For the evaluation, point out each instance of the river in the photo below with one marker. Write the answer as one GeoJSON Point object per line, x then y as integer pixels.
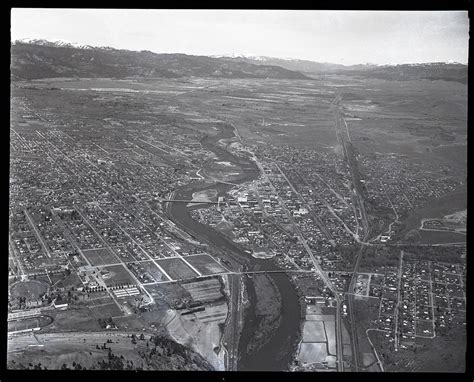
{"type": "Point", "coordinates": [277, 351]}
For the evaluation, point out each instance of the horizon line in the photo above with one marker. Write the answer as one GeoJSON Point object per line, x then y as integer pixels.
{"type": "Point", "coordinates": [236, 55]}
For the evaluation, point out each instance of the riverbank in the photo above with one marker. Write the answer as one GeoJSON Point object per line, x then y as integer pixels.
{"type": "Point", "coordinates": [275, 350]}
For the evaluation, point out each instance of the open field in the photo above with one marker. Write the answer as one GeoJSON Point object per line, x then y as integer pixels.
{"type": "Point", "coordinates": [72, 319]}
{"type": "Point", "coordinates": [413, 120]}
{"type": "Point", "coordinates": [203, 196]}
{"type": "Point", "coordinates": [318, 342]}
{"type": "Point", "coordinates": [437, 237]}
{"type": "Point", "coordinates": [407, 117]}
{"type": "Point", "coordinates": [201, 331]}
{"type": "Point", "coordinates": [100, 256]}
{"type": "Point", "coordinates": [30, 289]}
{"type": "Point", "coordinates": [117, 275]}
{"type": "Point", "coordinates": [204, 290]}
{"type": "Point", "coordinates": [56, 349]}
{"type": "Point", "coordinates": [153, 270]}
{"type": "Point", "coordinates": [437, 208]}
{"type": "Point", "coordinates": [29, 323]}
{"type": "Point", "coordinates": [444, 354]}
{"type": "Point", "coordinates": [213, 313]}
{"type": "Point", "coordinates": [330, 328]}
{"type": "Point", "coordinates": [67, 281]}
{"type": "Point", "coordinates": [452, 154]}
{"type": "Point", "coordinates": [368, 359]}
{"type": "Point", "coordinates": [171, 293]}
{"type": "Point", "coordinates": [313, 352]}
{"type": "Point", "coordinates": [106, 310]}
{"type": "Point", "coordinates": [100, 300]}
{"type": "Point", "coordinates": [313, 331]}
{"type": "Point", "coordinates": [176, 268]}
{"type": "Point", "coordinates": [205, 264]}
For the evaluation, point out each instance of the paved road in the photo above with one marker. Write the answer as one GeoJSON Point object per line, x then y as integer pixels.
{"type": "Point", "coordinates": [38, 235]}
{"type": "Point", "coordinates": [319, 272]}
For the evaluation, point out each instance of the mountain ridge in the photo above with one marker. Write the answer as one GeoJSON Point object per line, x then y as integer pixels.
{"type": "Point", "coordinates": [40, 58]}
{"type": "Point", "coordinates": [448, 71]}
{"type": "Point", "coordinates": [36, 59]}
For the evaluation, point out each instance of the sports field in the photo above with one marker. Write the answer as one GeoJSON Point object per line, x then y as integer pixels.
{"type": "Point", "coordinates": [30, 289]}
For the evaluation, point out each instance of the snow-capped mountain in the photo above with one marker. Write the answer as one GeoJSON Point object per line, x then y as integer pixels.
{"type": "Point", "coordinates": [449, 71]}
{"type": "Point", "coordinates": [38, 58]}
{"type": "Point", "coordinates": [245, 56]}
{"type": "Point", "coordinates": [59, 43]}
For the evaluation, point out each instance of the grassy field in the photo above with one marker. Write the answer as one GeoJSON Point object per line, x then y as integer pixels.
{"type": "Point", "coordinates": [170, 293]}
{"type": "Point", "coordinates": [411, 117]}
{"type": "Point", "coordinates": [71, 320]}
{"type": "Point", "coordinates": [313, 331]}
{"type": "Point", "coordinates": [60, 348]}
{"type": "Point", "coordinates": [437, 237]}
{"type": "Point", "coordinates": [313, 352]}
{"type": "Point", "coordinates": [117, 275]}
{"type": "Point", "coordinates": [106, 310]}
{"type": "Point", "coordinates": [176, 268]}
{"type": "Point", "coordinates": [30, 289]}
{"type": "Point", "coordinates": [205, 264]}
{"type": "Point", "coordinates": [201, 331]}
{"type": "Point", "coordinates": [71, 280]}
{"type": "Point", "coordinates": [436, 208]}
{"type": "Point", "coordinates": [29, 323]}
{"type": "Point", "coordinates": [330, 328]}
{"type": "Point", "coordinates": [445, 353]}
{"type": "Point", "coordinates": [100, 256]}
{"type": "Point", "coordinates": [153, 270]}
{"type": "Point", "coordinates": [204, 290]}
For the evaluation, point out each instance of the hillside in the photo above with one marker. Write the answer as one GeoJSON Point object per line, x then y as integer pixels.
{"type": "Point", "coordinates": [406, 72]}
{"type": "Point", "coordinates": [42, 59]}
{"type": "Point", "coordinates": [306, 66]}
{"type": "Point", "coordinates": [102, 351]}
{"type": "Point", "coordinates": [403, 72]}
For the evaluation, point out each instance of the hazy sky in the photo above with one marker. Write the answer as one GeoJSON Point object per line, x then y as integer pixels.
{"type": "Point", "coordinates": [346, 37]}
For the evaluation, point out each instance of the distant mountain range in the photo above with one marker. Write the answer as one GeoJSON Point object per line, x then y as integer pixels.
{"type": "Point", "coordinates": [33, 59]}
{"type": "Point", "coordinates": [36, 58]}
{"type": "Point", "coordinates": [448, 71]}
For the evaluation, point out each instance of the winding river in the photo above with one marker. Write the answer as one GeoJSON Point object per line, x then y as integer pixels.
{"type": "Point", "coordinates": [279, 346]}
